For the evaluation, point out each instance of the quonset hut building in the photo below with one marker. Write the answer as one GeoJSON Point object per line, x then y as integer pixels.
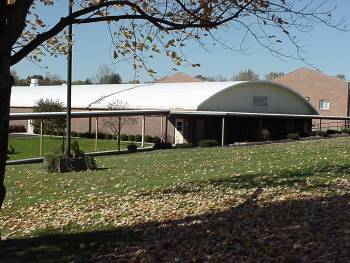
{"type": "Point", "coordinates": [225, 111]}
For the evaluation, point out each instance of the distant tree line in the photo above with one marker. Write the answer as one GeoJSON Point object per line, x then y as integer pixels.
{"type": "Point", "coordinates": [104, 75]}
{"type": "Point", "coordinates": [249, 74]}
{"type": "Point", "coordinates": [243, 75]}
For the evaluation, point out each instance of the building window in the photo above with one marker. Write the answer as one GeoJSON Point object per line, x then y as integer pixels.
{"type": "Point", "coordinates": [179, 125]}
{"type": "Point", "coordinates": [324, 104]}
{"type": "Point", "coordinates": [307, 98]}
{"type": "Point", "coordinates": [260, 101]}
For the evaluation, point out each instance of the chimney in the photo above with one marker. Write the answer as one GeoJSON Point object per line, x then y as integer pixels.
{"type": "Point", "coordinates": [34, 82]}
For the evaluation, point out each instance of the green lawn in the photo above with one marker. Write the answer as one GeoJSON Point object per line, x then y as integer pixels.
{"type": "Point", "coordinates": [27, 147]}
{"type": "Point", "coordinates": [270, 199]}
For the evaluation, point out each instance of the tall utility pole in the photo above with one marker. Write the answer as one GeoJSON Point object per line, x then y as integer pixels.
{"type": "Point", "coordinates": [69, 81]}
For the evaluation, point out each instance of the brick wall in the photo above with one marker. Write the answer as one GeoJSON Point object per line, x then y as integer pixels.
{"type": "Point", "coordinates": [133, 126]}
{"type": "Point", "coordinates": [318, 86]}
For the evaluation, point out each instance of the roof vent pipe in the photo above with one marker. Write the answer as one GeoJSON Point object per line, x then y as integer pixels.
{"type": "Point", "coordinates": [34, 82]}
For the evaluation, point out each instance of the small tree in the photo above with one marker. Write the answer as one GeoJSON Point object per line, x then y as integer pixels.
{"type": "Point", "coordinates": [115, 124]}
{"type": "Point", "coordinates": [52, 126]}
{"type": "Point", "coordinates": [340, 76]}
{"type": "Point", "coordinates": [247, 74]}
{"type": "Point", "coordinates": [105, 75]}
{"type": "Point", "coordinates": [205, 78]}
{"type": "Point", "coordinates": [274, 75]}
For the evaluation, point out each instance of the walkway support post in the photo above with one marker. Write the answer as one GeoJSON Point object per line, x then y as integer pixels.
{"type": "Point", "coordinates": [119, 131]}
{"type": "Point", "coordinates": [96, 133]}
{"type": "Point", "coordinates": [41, 139]}
{"type": "Point", "coordinates": [143, 131]}
{"type": "Point", "coordinates": [161, 128]}
{"type": "Point", "coordinates": [223, 131]}
{"type": "Point", "coordinates": [166, 130]}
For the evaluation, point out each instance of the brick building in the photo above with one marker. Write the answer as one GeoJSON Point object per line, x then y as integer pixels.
{"type": "Point", "coordinates": [224, 111]}
{"type": "Point", "coordinates": [329, 95]}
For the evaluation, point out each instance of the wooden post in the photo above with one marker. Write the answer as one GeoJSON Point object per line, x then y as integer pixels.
{"type": "Point", "coordinates": [96, 133]}
{"type": "Point", "coordinates": [41, 139]}
{"type": "Point", "coordinates": [143, 131]}
{"type": "Point", "coordinates": [223, 131]}
{"type": "Point", "coordinates": [320, 124]}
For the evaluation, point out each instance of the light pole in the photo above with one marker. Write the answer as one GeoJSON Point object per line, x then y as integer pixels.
{"type": "Point", "coordinates": [69, 82]}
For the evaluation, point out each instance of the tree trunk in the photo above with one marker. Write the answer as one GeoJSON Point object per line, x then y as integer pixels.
{"type": "Point", "coordinates": [6, 82]}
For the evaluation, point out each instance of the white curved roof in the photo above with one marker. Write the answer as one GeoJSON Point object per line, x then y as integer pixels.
{"type": "Point", "coordinates": [140, 96]}
{"type": "Point", "coordinates": [220, 96]}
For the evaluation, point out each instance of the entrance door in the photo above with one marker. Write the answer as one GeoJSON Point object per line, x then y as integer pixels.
{"type": "Point", "coordinates": [179, 131]}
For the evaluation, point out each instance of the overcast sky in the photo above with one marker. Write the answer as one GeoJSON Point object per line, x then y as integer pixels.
{"type": "Point", "coordinates": [327, 50]}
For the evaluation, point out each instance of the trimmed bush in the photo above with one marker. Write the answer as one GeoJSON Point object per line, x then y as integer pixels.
{"type": "Point", "coordinates": [293, 136]}
{"type": "Point", "coordinates": [90, 135]}
{"type": "Point", "coordinates": [162, 145]}
{"type": "Point", "coordinates": [81, 134]}
{"type": "Point", "coordinates": [156, 139]}
{"type": "Point", "coordinates": [101, 135]}
{"type": "Point", "coordinates": [58, 163]}
{"type": "Point", "coordinates": [132, 148]}
{"type": "Point", "coordinates": [208, 143]}
{"type": "Point", "coordinates": [138, 137]}
{"type": "Point", "coordinates": [59, 150]}
{"type": "Point", "coordinates": [307, 134]}
{"type": "Point", "coordinates": [51, 163]}
{"type": "Point", "coordinates": [123, 137]}
{"type": "Point", "coordinates": [77, 153]}
{"type": "Point", "coordinates": [108, 136]}
{"type": "Point", "coordinates": [263, 135]}
{"type": "Point", "coordinates": [148, 138]}
{"type": "Point", "coordinates": [345, 131]}
{"type": "Point", "coordinates": [60, 133]}
{"type": "Point", "coordinates": [17, 128]}
{"type": "Point", "coordinates": [183, 145]}
{"type": "Point", "coordinates": [75, 146]}
{"type": "Point", "coordinates": [330, 131]}
{"type": "Point", "coordinates": [131, 137]}
{"type": "Point", "coordinates": [321, 133]}
{"type": "Point", "coordinates": [11, 149]}
{"type": "Point", "coordinates": [90, 163]}
{"type": "Point", "coordinates": [74, 134]}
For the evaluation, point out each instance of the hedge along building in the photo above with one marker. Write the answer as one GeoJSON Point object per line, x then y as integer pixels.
{"type": "Point", "coordinates": [224, 111]}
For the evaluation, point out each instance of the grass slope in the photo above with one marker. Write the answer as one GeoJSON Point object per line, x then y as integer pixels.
{"type": "Point", "coordinates": [272, 200]}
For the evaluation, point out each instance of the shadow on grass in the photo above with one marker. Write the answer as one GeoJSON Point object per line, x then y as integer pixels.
{"type": "Point", "coordinates": [284, 178]}
{"type": "Point", "coordinates": [311, 230]}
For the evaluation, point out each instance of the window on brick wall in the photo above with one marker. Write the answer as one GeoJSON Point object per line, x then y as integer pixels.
{"type": "Point", "coordinates": [324, 104]}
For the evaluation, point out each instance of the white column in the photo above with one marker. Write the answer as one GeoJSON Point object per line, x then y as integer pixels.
{"type": "Point", "coordinates": [223, 131]}
{"type": "Point", "coordinates": [161, 128]}
{"type": "Point", "coordinates": [119, 130]}
{"type": "Point", "coordinates": [96, 133]}
{"type": "Point", "coordinates": [41, 139]}
{"type": "Point", "coordinates": [166, 129]}
{"type": "Point", "coordinates": [143, 131]}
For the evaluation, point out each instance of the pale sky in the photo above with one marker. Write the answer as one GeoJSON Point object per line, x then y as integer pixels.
{"type": "Point", "coordinates": [326, 48]}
